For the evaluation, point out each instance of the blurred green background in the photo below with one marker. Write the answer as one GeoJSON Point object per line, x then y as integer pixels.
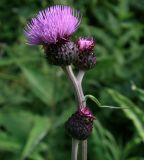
{"type": "Point", "coordinates": [36, 99]}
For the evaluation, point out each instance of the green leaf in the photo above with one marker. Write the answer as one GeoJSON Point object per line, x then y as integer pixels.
{"type": "Point", "coordinates": [133, 112]}
{"type": "Point", "coordinates": [104, 142]}
{"type": "Point", "coordinates": [42, 86]}
{"type": "Point", "coordinates": [94, 99]}
{"type": "Point", "coordinates": [39, 130]}
{"type": "Point", "coordinates": [136, 158]}
{"type": "Point", "coordinates": [9, 143]}
{"type": "Point", "coordinates": [7, 61]}
{"type": "Point", "coordinates": [18, 123]}
{"type": "Point", "coordinates": [139, 92]}
{"type": "Point", "coordinates": [37, 157]}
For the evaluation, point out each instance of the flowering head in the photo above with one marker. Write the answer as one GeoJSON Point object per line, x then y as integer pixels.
{"type": "Point", "coordinates": [86, 44]}
{"type": "Point", "coordinates": [52, 25]}
{"type": "Point", "coordinates": [53, 28]}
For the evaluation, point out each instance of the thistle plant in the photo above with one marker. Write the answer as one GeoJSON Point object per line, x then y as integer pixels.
{"type": "Point", "coordinates": [53, 29]}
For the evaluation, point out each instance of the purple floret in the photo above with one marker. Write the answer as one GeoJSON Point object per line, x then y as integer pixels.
{"type": "Point", "coordinates": [52, 25]}
{"type": "Point", "coordinates": [86, 44]}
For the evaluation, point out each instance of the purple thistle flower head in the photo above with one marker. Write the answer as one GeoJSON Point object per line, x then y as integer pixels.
{"type": "Point", "coordinates": [52, 25]}
{"type": "Point", "coordinates": [86, 44]}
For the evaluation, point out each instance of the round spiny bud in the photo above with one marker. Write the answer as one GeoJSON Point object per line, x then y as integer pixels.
{"type": "Point", "coordinates": [80, 124]}
{"type": "Point", "coordinates": [61, 54]}
{"type": "Point", "coordinates": [86, 59]}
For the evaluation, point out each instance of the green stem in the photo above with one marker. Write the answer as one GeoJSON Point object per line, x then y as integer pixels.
{"type": "Point", "coordinates": [69, 72]}
{"type": "Point", "coordinates": [84, 150]}
{"type": "Point", "coordinates": [77, 86]}
{"type": "Point", "coordinates": [79, 82]}
{"type": "Point", "coordinates": [83, 144]}
{"type": "Point", "coordinates": [75, 144]}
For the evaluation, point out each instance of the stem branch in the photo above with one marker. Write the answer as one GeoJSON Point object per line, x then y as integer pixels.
{"type": "Point", "coordinates": [77, 86]}
{"type": "Point", "coordinates": [75, 144]}
{"type": "Point", "coordinates": [84, 150]}
{"type": "Point", "coordinates": [69, 72]}
{"type": "Point", "coordinates": [80, 76]}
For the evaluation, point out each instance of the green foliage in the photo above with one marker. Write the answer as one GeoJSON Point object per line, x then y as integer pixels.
{"type": "Point", "coordinates": [131, 110]}
{"type": "Point", "coordinates": [105, 144]}
{"type": "Point", "coordinates": [139, 92]}
{"type": "Point", "coordinates": [36, 98]}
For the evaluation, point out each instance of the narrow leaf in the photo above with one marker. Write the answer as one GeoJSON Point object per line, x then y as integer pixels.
{"type": "Point", "coordinates": [94, 99]}
{"type": "Point", "coordinates": [37, 133]}
{"type": "Point", "coordinates": [139, 92]}
{"type": "Point", "coordinates": [134, 113]}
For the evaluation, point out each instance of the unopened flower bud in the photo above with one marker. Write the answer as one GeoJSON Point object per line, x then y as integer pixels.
{"type": "Point", "coordinates": [80, 124]}
{"type": "Point", "coordinates": [86, 59]}
{"type": "Point", "coordinates": [61, 54]}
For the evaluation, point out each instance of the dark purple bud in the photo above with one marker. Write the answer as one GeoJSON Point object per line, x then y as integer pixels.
{"type": "Point", "coordinates": [86, 59]}
{"type": "Point", "coordinates": [61, 54]}
{"type": "Point", "coordinates": [80, 124]}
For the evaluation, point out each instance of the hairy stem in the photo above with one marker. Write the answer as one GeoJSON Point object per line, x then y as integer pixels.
{"type": "Point", "coordinates": [83, 144]}
{"type": "Point", "coordinates": [80, 76]}
{"type": "Point", "coordinates": [74, 153]}
{"type": "Point", "coordinates": [79, 82]}
{"type": "Point", "coordinates": [77, 86]}
{"type": "Point", "coordinates": [84, 150]}
{"type": "Point", "coordinates": [69, 72]}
